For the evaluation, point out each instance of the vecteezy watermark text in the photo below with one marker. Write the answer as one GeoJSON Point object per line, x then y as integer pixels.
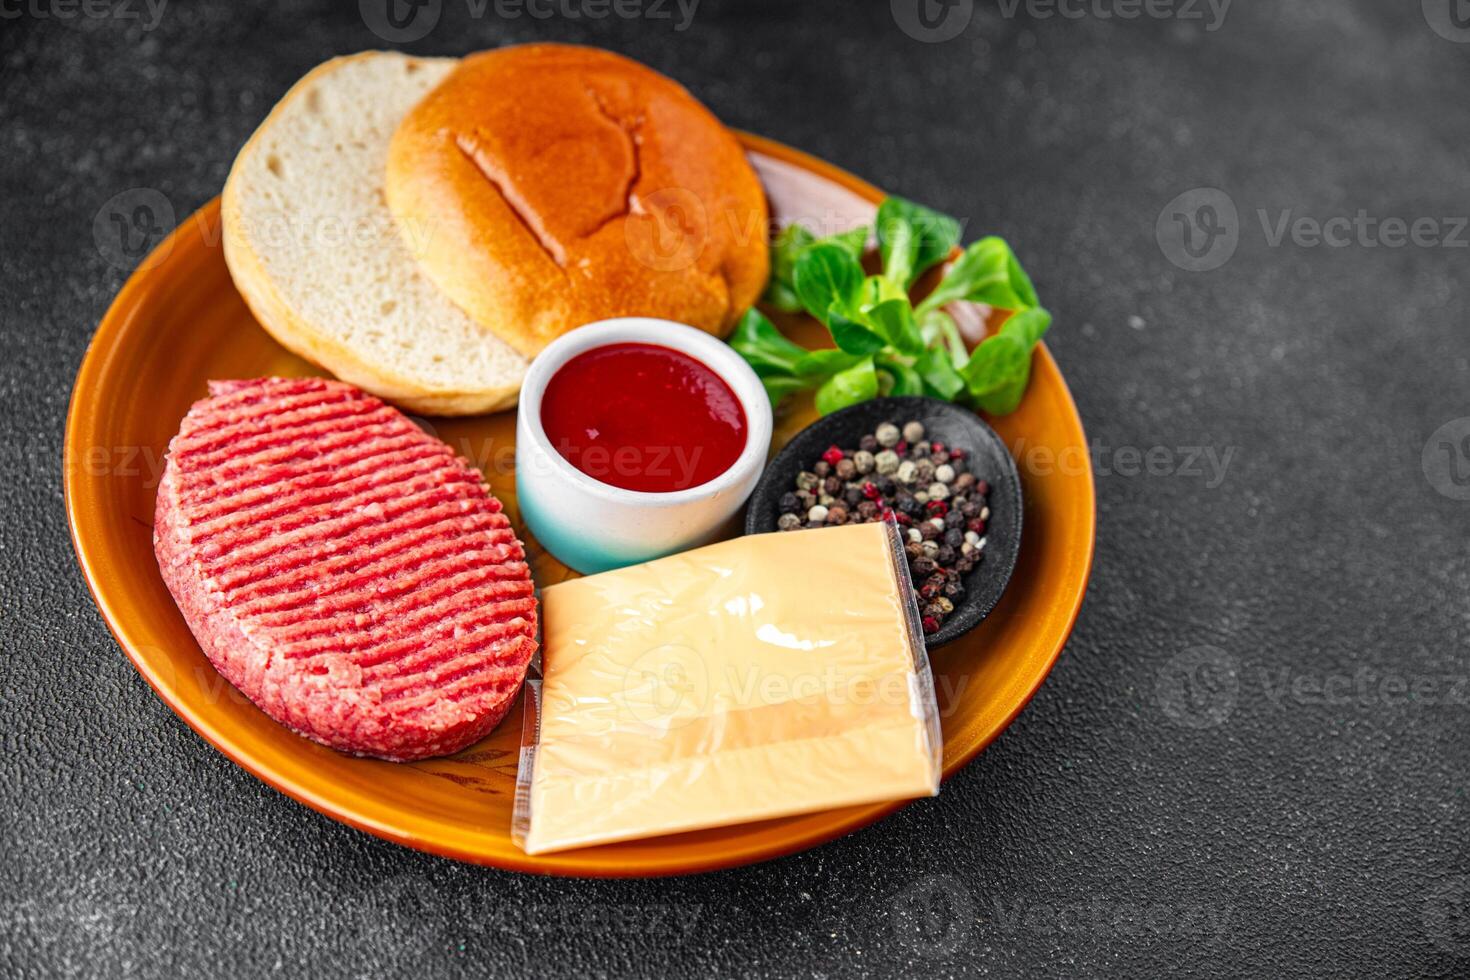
{"type": "Point", "coordinates": [414, 897]}
{"type": "Point", "coordinates": [933, 21]}
{"type": "Point", "coordinates": [1107, 916]}
{"type": "Point", "coordinates": [670, 686]}
{"type": "Point", "coordinates": [1206, 463]}
{"type": "Point", "coordinates": [1200, 229]}
{"type": "Point", "coordinates": [402, 21]}
{"type": "Point", "coordinates": [1212, 12]}
{"type": "Point", "coordinates": [1201, 687]}
{"type": "Point", "coordinates": [146, 13]}
{"type": "Point", "coordinates": [935, 916]}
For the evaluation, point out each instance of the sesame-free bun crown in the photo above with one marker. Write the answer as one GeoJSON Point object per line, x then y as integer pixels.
{"type": "Point", "coordinates": [555, 185]}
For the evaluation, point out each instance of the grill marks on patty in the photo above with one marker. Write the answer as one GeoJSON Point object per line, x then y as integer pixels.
{"type": "Point", "coordinates": [367, 566]}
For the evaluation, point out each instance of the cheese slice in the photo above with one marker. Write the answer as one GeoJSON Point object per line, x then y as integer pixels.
{"type": "Point", "coordinates": [761, 677]}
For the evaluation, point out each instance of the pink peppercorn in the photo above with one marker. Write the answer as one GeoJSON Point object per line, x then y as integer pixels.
{"type": "Point", "coordinates": [833, 456]}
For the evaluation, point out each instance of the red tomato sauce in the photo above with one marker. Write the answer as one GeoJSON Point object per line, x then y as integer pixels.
{"type": "Point", "coordinates": [643, 417]}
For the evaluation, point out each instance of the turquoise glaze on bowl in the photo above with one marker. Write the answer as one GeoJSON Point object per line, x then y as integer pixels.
{"type": "Point", "coordinates": [593, 526]}
{"type": "Point", "coordinates": [573, 550]}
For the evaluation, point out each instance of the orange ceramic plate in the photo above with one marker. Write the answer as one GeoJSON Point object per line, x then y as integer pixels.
{"type": "Point", "coordinates": [179, 322]}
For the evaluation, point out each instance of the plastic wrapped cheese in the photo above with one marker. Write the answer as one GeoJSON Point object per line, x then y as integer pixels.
{"type": "Point", "coordinates": [761, 677]}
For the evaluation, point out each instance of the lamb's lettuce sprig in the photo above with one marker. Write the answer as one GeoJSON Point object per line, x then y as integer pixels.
{"type": "Point", "coordinates": [884, 343]}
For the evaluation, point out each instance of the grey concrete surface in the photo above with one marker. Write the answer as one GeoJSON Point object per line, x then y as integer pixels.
{"type": "Point", "coordinates": [1251, 760]}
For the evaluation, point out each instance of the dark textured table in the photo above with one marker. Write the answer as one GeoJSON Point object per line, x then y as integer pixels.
{"type": "Point", "coordinates": [1251, 759]}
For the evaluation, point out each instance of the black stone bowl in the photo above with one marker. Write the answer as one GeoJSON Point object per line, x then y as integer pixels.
{"type": "Point", "coordinates": [950, 424]}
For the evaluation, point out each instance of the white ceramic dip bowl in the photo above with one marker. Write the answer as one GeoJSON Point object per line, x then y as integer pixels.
{"type": "Point", "coordinates": [592, 526]}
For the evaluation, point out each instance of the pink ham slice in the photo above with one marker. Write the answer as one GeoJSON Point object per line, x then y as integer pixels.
{"type": "Point", "coordinates": [347, 572]}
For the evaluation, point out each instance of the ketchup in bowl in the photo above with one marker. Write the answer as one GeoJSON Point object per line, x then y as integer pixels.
{"type": "Point", "coordinates": [643, 417]}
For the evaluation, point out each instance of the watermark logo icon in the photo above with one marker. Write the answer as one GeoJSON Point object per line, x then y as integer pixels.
{"type": "Point", "coordinates": [1199, 687]}
{"type": "Point", "coordinates": [932, 21]}
{"type": "Point", "coordinates": [1198, 230]}
{"type": "Point", "coordinates": [1446, 459]}
{"type": "Point", "coordinates": [1450, 19]}
{"type": "Point", "coordinates": [932, 916]}
{"type": "Point", "coordinates": [129, 227]}
{"type": "Point", "coordinates": [400, 21]}
{"type": "Point", "coordinates": [407, 895]}
{"type": "Point", "coordinates": [667, 230]}
{"type": "Point", "coordinates": [1447, 915]}
{"type": "Point", "coordinates": [667, 686]}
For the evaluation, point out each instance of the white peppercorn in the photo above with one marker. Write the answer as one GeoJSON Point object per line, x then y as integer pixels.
{"type": "Point", "coordinates": [886, 461]}
{"type": "Point", "coordinates": [887, 435]}
{"type": "Point", "coordinates": [914, 431]}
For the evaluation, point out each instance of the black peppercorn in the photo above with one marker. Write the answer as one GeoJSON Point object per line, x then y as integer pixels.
{"type": "Point", "coordinates": [937, 502]}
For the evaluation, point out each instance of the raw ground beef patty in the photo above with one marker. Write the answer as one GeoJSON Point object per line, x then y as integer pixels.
{"type": "Point", "coordinates": [346, 571]}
